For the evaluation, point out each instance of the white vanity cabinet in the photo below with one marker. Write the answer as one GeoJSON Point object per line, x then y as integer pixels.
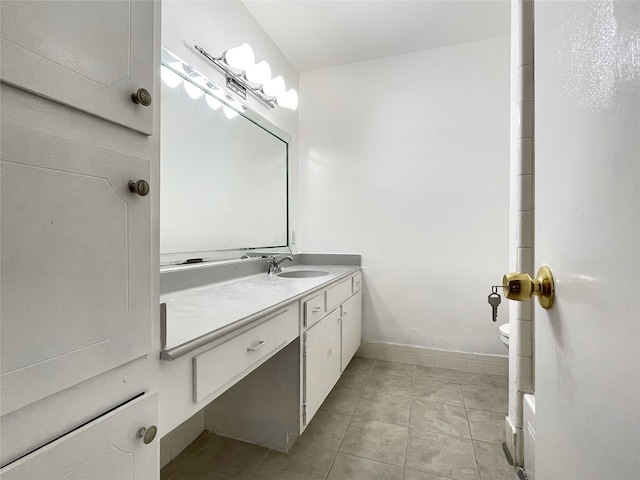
{"type": "Point", "coordinates": [77, 256]}
{"type": "Point", "coordinates": [329, 343]}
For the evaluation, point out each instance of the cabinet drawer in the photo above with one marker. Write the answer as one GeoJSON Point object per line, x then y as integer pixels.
{"type": "Point", "coordinates": [219, 368]}
{"type": "Point", "coordinates": [356, 284]}
{"type": "Point", "coordinates": [338, 294]}
{"type": "Point", "coordinates": [314, 310]}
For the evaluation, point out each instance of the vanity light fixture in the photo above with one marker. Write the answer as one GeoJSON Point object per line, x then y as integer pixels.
{"type": "Point", "coordinates": [174, 71]}
{"type": "Point", "coordinates": [245, 76]}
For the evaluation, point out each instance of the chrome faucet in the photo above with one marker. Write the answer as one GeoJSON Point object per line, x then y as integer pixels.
{"type": "Point", "coordinates": [274, 264]}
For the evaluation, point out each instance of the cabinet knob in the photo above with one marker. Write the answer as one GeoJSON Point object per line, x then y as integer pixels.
{"type": "Point", "coordinates": [141, 187]}
{"type": "Point", "coordinates": [141, 97]}
{"type": "Point", "coordinates": [147, 434]}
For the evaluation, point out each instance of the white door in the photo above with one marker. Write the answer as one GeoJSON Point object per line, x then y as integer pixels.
{"type": "Point", "coordinates": [90, 55]}
{"type": "Point", "coordinates": [587, 93]}
{"type": "Point", "coordinates": [75, 264]}
{"type": "Point", "coordinates": [108, 448]}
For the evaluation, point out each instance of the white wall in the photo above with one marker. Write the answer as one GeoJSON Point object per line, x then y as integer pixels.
{"type": "Point", "coordinates": [217, 27]}
{"type": "Point", "coordinates": [405, 159]}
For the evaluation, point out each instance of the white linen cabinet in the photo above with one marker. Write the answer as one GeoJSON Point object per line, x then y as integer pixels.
{"type": "Point", "coordinates": [78, 157]}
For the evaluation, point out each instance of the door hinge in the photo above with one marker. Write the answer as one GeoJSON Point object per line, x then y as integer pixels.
{"type": "Point", "coordinates": [304, 349]}
{"type": "Point", "coordinates": [304, 413]}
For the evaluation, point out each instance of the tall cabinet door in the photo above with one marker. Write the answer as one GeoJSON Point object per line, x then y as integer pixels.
{"type": "Point", "coordinates": [75, 264]}
{"type": "Point", "coordinates": [351, 327]}
{"type": "Point", "coordinates": [89, 55]}
{"type": "Point", "coordinates": [322, 368]}
{"type": "Point", "coordinates": [106, 449]}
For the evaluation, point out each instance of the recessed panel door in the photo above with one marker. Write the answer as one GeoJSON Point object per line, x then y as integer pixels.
{"type": "Point", "coordinates": [75, 264]}
{"type": "Point", "coordinates": [108, 448]}
{"type": "Point", "coordinates": [90, 55]}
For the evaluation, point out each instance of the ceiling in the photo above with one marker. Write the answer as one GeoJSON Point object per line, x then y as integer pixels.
{"type": "Point", "coordinates": [327, 33]}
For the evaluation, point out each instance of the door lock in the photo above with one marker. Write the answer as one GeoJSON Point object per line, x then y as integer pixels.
{"type": "Point", "coordinates": [521, 287]}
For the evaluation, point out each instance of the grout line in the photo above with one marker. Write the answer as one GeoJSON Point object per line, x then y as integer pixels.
{"type": "Point", "coordinates": [259, 463]}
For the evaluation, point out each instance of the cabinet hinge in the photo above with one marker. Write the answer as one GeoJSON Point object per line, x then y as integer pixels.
{"type": "Point", "coordinates": [304, 349]}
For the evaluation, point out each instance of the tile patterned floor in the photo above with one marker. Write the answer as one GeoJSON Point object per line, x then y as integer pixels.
{"type": "Point", "coordinates": [382, 421]}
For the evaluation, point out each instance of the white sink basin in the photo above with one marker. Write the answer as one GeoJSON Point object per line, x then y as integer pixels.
{"type": "Point", "coordinates": [303, 274]}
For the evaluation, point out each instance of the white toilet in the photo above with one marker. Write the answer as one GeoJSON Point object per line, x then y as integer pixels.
{"type": "Point", "coordinates": [504, 334]}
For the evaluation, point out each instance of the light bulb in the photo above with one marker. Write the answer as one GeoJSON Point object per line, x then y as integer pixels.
{"type": "Point", "coordinates": [274, 87]}
{"type": "Point", "coordinates": [230, 113]}
{"type": "Point", "coordinates": [212, 102]}
{"type": "Point", "coordinates": [241, 57]}
{"type": "Point", "coordinates": [170, 78]}
{"type": "Point", "coordinates": [179, 66]}
{"type": "Point", "coordinates": [193, 91]}
{"type": "Point", "coordinates": [259, 73]}
{"type": "Point", "coordinates": [288, 99]}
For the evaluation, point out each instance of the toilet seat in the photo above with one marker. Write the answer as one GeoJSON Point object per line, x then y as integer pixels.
{"type": "Point", "coordinates": [504, 333]}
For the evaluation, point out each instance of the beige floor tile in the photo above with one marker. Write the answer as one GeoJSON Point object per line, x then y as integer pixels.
{"type": "Point", "coordinates": [325, 431]}
{"type": "Point", "coordinates": [387, 383]}
{"type": "Point", "coordinates": [492, 462]}
{"type": "Point", "coordinates": [442, 455]}
{"type": "Point", "coordinates": [169, 470]}
{"type": "Point", "coordinates": [486, 397]}
{"type": "Point", "coordinates": [384, 408]}
{"type": "Point", "coordinates": [442, 392]}
{"type": "Point", "coordinates": [404, 369]}
{"type": "Point", "coordinates": [486, 426]}
{"type": "Point", "coordinates": [360, 365]}
{"type": "Point", "coordinates": [299, 463]}
{"type": "Point", "coordinates": [190, 473]}
{"type": "Point", "coordinates": [342, 400]}
{"type": "Point", "coordinates": [379, 441]}
{"type": "Point", "coordinates": [347, 467]}
{"type": "Point", "coordinates": [228, 457]}
{"type": "Point", "coordinates": [439, 418]}
{"type": "Point", "coordinates": [437, 374]}
{"type": "Point", "coordinates": [482, 379]}
{"type": "Point", "coordinates": [413, 475]}
{"type": "Point", "coordinates": [353, 381]}
{"type": "Point", "coordinates": [187, 455]}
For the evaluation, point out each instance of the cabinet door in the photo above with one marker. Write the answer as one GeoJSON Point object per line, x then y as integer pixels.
{"type": "Point", "coordinates": [75, 264]}
{"type": "Point", "coordinates": [105, 449]}
{"type": "Point", "coordinates": [351, 327]}
{"type": "Point", "coordinates": [322, 361]}
{"type": "Point", "coordinates": [89, 55]}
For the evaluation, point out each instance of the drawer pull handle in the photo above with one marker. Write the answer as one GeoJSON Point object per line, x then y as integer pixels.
{"type": "Point", "coordinates": [345, 314]}
{"type": "Point", "coordinates": [257, 347]}
{"type": "Point", "coordinates": [317, 309]}
{"type": "Point", "coordinates": [358, 282]}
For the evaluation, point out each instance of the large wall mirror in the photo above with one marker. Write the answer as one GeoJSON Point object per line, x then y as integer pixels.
{"type": "Point", "coordinates": [223, 173]}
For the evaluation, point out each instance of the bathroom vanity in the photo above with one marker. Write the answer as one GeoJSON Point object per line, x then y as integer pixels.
{"type": "Point", "coordinates": [261, 352]}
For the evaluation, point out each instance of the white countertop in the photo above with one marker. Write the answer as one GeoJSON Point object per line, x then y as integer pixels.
{"type": "Point", "coordinates": [195, 315]}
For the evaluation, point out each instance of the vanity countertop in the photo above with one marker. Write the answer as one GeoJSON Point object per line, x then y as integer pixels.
{"type": "Point", "coordinates": [196, 316]}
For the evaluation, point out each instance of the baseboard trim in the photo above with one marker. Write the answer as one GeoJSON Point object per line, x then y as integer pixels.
{"type": "Point", "coordinates": [432, 357]}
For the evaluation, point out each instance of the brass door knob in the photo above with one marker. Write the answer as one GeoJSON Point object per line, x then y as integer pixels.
{"type": "Point", "coordinates": [521, 287]}
{"type": "Point", "coordinates": [140, 187]}
{"type": "Point", "coordinates": [141, 97]}
{"type": "Point", "coordinates": [147, 434]}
